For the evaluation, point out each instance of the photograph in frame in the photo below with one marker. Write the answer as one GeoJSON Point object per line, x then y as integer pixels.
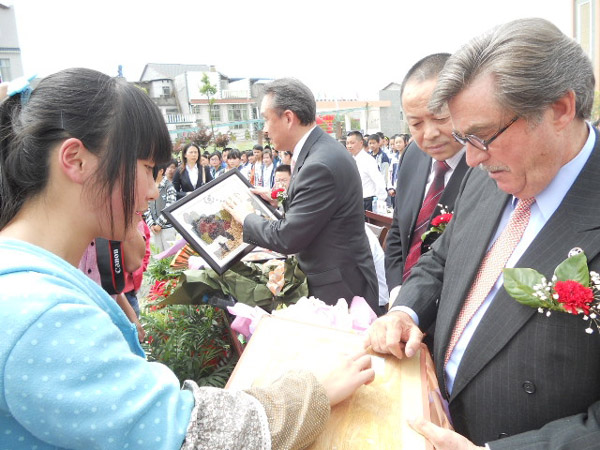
{"type": "Point", "coordinates": [203, 221]}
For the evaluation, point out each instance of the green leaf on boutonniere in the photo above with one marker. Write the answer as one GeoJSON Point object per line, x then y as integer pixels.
{"type": "Point", "coordinates": [574, 268]}
{"type": "Point", "coordinates": [520, 282]}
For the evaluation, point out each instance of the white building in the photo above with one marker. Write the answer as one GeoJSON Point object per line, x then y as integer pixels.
{"type": "Point", "coordinates": [176, 90]}
{"type": "Point", "coordinates": [11, 66]}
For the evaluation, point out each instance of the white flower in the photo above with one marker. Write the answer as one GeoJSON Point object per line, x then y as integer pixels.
{"type": "Point", "coordinates": [589, 330]}
{"type": "Point", "coordinates": [540, 310]}
{"type": "Point", "coordinates": [585, 317]}
{"type": "Point", "coordinates": [554, 278]}
{"type": "Point", "coordinates": [593, 315]}
{"type": "Point", "coordinates": [548, 313]}
{"type": "Point", "coordinates": [555, 296]}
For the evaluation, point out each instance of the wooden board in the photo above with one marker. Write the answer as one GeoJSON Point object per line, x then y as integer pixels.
{"type": "Point", "coordinates": [375, 416]}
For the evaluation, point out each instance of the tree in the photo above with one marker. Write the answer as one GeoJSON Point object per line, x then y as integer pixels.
{"type": "Point", "coordinates": [209, 90]}
{"type": "Point", "coordinates": [221, 140]}
{"type": "Point", "coordinates": [201, 138]}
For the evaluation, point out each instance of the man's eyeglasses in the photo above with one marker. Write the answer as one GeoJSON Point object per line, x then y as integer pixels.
{"type": "Point", "coordinates": [479, 143]}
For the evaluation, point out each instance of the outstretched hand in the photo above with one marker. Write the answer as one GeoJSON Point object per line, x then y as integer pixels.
{"type": "Point", "coordinates": [351, 374]}
{"type": "Point", "coordinates": [394, 333]}
{"type": "Point", "coordinates": [238, 208]}
{"type": "Point", "coordinates": [265, 194]}
{"type": "Point", "coordinates": [440, 438]}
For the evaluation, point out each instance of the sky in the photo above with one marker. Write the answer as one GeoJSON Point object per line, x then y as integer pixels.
{"type": "Point", "coordinates": [340, 49]}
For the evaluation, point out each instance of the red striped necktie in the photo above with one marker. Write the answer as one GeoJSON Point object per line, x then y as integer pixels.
{"type": "Point", "coordinates": [431, 200]}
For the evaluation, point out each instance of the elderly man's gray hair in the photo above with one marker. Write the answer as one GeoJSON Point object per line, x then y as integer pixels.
{"type": "Point", "coordinates": [533, 64]}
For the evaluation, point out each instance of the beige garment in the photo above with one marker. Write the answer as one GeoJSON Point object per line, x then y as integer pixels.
{"type": "Point", "coordinates": [289, 414]}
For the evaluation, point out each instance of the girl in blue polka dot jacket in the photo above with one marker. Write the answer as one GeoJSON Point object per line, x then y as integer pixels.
{"type": "Point", "coordinates": [76, 159]}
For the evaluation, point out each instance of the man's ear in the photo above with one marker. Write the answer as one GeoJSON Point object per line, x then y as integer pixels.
{"type": "Point", "coordinates": [75, 161]}
{"type": "Point", "coordinates": [290, 116]}
{"type": "Point", "coordinates": [563, 110]}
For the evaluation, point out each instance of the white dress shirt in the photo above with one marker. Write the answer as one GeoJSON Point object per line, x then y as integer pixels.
{"type": "Point", "coordinates": [372, 180]}
{"type": "Point", "coordinates": [299, 145]}
{"type": "Point", "coordinates": [192, 173]}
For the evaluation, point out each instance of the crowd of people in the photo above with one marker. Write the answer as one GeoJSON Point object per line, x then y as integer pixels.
{"type": "Point", "coordinates": [84, 156]}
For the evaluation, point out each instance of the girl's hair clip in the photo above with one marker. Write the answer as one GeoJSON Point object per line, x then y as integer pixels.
{"type": "Point", "coordinates": [20, 86]}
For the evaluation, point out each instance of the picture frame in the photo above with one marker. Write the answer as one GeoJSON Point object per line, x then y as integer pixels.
{"type": "Point", "coordinates": [203, 222]}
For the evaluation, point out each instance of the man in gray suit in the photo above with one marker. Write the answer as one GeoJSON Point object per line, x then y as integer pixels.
{"type": "Point", "coordinates": [324, 216]}
{"type": "Point", "coordinates": [433, 141]}
{"type": "Point", "coordinates": [511, 373]}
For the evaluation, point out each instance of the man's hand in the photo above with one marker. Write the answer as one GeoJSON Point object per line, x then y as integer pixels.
{"type": "Point", "coordinates": [265, 194]}
{"type": "Point", "coordinates": [440, 438]}
{"type": "Point", "coordinates": [239, 209]}
{"type": "Point", "coordinates": [394, 333]}
{"type": "Point", "coordinates": [351, 374]}
{"type": "Point", "coordinates": [156, 228]}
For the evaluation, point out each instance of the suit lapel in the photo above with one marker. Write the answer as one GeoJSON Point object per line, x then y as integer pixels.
{"type": "Point", "coordinates": [453, 186]}
{"type": "Point", "coordinates": [414, 190]}
{"type": "Point", "coordinates": [314, 135]}
{"type": "Point", "coordinates": [478, 231]}
{"type": "Point", "coordinates": [576, 223]}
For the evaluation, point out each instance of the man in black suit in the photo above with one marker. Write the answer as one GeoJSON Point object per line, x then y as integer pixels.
{"type": "Point", "coordinates": [506, 370]}
{"type": "Point", "coordinates": [324, 216]}
{"type": "Point", "coordinates": [433, 142]}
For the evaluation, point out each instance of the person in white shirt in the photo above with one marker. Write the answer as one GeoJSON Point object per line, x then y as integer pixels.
{"type": "Point", "coordinates": [373, 184]}
{"type": "Point", "coordinates": [268, 169]}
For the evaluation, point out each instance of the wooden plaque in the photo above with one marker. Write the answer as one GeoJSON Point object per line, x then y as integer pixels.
{"type": "Point", "coordinates": [375, 417]}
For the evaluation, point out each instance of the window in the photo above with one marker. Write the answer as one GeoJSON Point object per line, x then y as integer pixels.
{"type": "Point", "coordinates": [215, 113]}
{"type": "Point", "coordinates": [5, 72]}
{"type": "Point", "coordinates": [238, 113]}
{"type": "Point", "coordinates": [196, 109]}
{"type": "Point", "coordinates": [166, 91]}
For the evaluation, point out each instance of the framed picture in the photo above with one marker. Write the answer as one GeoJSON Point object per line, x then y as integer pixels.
{"type": "Point", "coordinates": [203, 221]}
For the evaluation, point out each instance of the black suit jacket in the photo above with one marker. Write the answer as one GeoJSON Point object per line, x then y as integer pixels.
{"type": "Point", "coordinates": [324, 224]}
{"type": "Point", "coordinates": [413, 172]}
{"type": "Point", "coordinates": [182, 183]}
{"type": "Point", "coordinates": [523, 373]}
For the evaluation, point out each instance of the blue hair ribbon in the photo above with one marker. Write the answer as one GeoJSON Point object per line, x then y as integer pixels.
{"type": "Point", "coordinates": [20, 86]}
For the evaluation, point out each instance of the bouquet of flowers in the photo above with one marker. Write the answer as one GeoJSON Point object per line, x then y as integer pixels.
{"type": "Point", "coordinates": [573, 289]}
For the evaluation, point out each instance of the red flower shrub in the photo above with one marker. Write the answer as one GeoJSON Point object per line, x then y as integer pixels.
{"type": "Point", "coordinates": [574, 296]}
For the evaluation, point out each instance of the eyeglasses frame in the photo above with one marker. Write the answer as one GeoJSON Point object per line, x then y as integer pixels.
{"type": "Point", "coordinates": [479, 143]}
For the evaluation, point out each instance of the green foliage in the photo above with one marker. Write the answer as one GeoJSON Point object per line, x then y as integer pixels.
{"type": "Point", "coordinates": [191, 340]}
{"type": "Point", "coordinates": [574, 268]}
{"type": "Point", "coordinates": [519, 283]}
{"type": "Point", "coordinates": [209, 90]}
{"type": "Point", "coordinates": [160, 269]}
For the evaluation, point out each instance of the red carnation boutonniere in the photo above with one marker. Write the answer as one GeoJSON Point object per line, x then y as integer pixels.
{"type": "Point", "coordinates": [572, 289]}
{"type": "Point", "coordinates": [438, 225]}
{"type": "Point", "coordinates": [279, 194]}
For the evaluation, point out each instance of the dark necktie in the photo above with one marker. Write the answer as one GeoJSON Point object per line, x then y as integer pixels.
{"type": "Point", "coordinates": [431, 200]}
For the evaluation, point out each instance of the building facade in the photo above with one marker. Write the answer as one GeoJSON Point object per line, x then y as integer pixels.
{"type": "Point", "coordinates": [176, 89]}
{"type": "Point", "coordinates": [11, 66]}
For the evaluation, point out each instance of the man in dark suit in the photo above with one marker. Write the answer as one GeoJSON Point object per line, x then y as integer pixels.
{"type": "Point", "coordinates": [324, 217]}
{"type": "Point", "coordinates": [506, 370]}
{"type": "Point", "coordinates": [433, 142]}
